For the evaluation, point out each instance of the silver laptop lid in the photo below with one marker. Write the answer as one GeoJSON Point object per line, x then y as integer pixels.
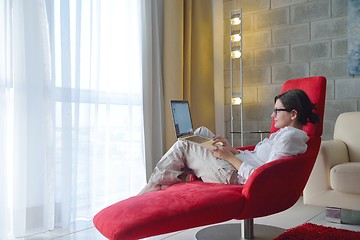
{"type": "Point", "coordinates": [182, 117]}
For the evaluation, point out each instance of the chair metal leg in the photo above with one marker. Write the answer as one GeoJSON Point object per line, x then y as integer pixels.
{"type": "Point", "coordinates": [245, 230]}
{"type": "Point", "coordinates": [248, 229]}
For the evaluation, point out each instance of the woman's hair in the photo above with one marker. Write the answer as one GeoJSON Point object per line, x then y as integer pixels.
{"type": "Point", "coordinates": [297, 99]}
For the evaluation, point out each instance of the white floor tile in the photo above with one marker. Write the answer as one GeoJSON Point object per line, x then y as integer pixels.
{"type": "Point", "coordinates": [87, 234]}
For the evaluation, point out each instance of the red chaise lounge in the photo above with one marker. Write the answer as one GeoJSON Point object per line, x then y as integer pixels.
{"type": "Point", "coordinates": [272, 188]}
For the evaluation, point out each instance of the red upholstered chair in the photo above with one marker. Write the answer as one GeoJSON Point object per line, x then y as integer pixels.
{"type": "Point", "coordinates": [272, 188]}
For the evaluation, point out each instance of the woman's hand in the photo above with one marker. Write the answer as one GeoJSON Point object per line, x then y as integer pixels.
{"type": "Point", "coordinates": [218, 140]}
{"type": "Point", "coordinates": [225, 154]}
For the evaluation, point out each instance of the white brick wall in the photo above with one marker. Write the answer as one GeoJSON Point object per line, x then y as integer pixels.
{"type": "Point", "coordinates": [285, 39]}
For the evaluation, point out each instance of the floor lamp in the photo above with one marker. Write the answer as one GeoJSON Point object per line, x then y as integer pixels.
{"type": "Point", "coordinates": [236, 81]}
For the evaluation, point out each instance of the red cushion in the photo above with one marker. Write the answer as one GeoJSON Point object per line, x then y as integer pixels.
{"type": "Point", "coordinates": [179, 207]}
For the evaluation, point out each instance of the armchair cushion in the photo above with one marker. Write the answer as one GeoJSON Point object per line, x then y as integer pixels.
{"type": "Point", "coordinates": [335, 152]}
{"type": "Point", "coordinates": [343, 177]}
{"type": "Point", "coordinates": [347, 130]}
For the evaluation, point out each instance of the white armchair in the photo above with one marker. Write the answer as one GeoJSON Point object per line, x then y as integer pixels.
{"type": "Point", "coordinates": [334, 181]}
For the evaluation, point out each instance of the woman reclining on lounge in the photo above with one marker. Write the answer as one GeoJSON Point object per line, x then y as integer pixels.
{"type": "Point", "coordinates": [292, 110]}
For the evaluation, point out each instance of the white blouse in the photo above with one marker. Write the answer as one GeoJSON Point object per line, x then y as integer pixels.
{"type": "Point", "coordinates": [287, 141]}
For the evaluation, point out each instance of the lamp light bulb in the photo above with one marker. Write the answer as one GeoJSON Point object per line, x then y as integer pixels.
{"type": "Point", "coordinates": [236, 101]}
{"type": "Point", "coordinates": [235, 37]}
{"type": "Point", "coordinates": [235, 21]}
{"type": "Point", "coordinates": [235, 54]}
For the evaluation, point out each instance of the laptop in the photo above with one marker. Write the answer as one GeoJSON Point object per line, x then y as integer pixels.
{"type": "Point", "coordinates": [184, 127]}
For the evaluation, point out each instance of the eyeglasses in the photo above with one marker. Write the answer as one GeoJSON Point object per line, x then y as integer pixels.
{"type": "Point", "coordinates": [276, 110]}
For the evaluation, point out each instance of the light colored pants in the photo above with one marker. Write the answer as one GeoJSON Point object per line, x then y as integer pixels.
{"type": "Point", "coordinates": [184, 157]}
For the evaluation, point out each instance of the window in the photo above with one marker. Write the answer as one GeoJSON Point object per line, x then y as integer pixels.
{"type": "Point", "coordinates": [98, 102]}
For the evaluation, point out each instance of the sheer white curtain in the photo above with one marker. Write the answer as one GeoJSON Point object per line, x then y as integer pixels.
{"type": "Point", "coordinates": [152, 42]}
{"type": "Point", "coordinates": [72, 131]}
{"type": "Point", "coordinates": [98, 95]}
{"type": "Point", "coordinates": [25, 81]}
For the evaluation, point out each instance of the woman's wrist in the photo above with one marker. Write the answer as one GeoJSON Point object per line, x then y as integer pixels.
{"type": "Point", "coordinates": [235, 151]}
{"type": "Point", "coordinates": [235, 162]}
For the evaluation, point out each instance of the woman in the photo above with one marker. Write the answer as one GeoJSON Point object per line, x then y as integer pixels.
{"type": "Point", "coordinates": [292, 110]}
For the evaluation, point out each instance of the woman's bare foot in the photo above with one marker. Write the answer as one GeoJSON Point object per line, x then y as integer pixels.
{"type": "Point", "coordinates": [164, 186]}
{"type": "Point", "coordinates": [152, 187]}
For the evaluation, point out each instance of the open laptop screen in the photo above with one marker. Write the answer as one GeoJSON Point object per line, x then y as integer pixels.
{"type": "Point", "coordinates": [182, 118]}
